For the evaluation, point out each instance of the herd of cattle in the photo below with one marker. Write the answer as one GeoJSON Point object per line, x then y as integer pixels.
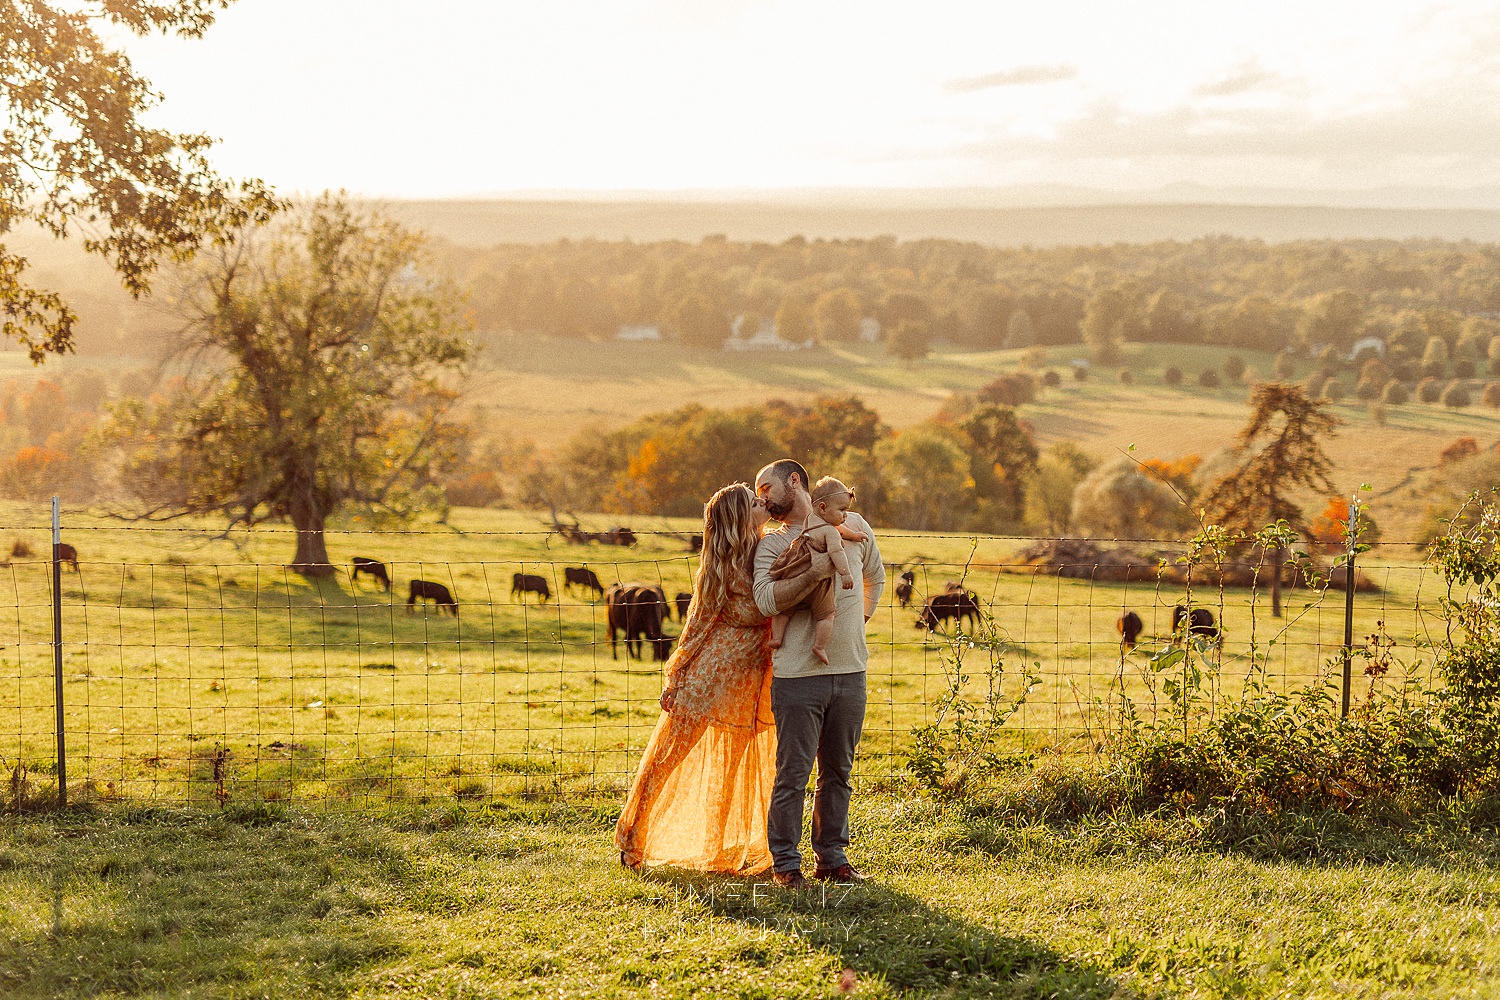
{"type": "Point", "coordinates": [639, 611]}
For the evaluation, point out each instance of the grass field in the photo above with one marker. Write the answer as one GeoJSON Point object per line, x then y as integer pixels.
{"type": "Point", "coordinates": [195, 669]}
{"type": "Point", "coordinates": [523, 900]}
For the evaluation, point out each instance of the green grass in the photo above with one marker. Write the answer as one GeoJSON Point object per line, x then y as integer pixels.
{"type": "Point", "coordinates": [523, 899]}
{"type": "Point", "coordinates": [195, 669]}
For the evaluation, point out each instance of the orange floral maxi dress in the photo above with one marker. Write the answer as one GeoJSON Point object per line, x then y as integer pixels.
{"type": "Point", "coordinates": [700, 797]}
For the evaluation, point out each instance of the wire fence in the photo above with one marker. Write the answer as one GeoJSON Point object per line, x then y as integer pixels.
{"type": "Point", "coordinates": [191, 677]}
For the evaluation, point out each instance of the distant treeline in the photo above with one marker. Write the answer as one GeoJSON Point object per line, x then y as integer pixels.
{"type": "Point", "coordinates": [1234, 292]}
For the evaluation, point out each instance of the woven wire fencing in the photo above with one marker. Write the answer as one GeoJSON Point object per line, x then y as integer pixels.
{"type": "Point", "coordinates": [195, 678]}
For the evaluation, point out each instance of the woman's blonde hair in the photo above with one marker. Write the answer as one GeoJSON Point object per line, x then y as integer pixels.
{"type": "Point", "coordinates": [729, 539]}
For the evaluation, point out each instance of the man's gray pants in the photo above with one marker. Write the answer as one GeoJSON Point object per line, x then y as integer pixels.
{"type": "Point", "coordinates": [818, 719]}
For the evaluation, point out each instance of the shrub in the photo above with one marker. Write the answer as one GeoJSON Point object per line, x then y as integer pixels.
{"type": "Point", "coordinates": [1491, 397]}
{"type": "Point", "coordinates": [1314, 383]}
{"type": "Point", "coordinates": [1395, 394]}
{"type": "Point", "coordinates": [1051, 379]}
{"type": "Point", "coordinates": [1464, 368]}
{"type": "Point", "coordinates": [1429, 390]}
{"type": "Point", "coordinates": [1405, 371]}
{"type": "Point", "coordinates": [1367, 389]}
{"type": "Point", "coordinates": [1234, 367]}
{"type": "Point", "coordinates": [1456, 396]}
{"type": "Point", "coordinates": [1011, 389]}
{"type": "Point", "coordinates": [1284, 366]}
{"type": "Point", "coordinates": [1208, 378]}
{"type": "Point", "coordinates": [1080, 373]}
{"type": "Point", "coordinates": [1333, 390]}
{"type": "Point", "coordinates": [1124, 377]}
{"type": "Point", "coordinates": [1172, 376]}
{"type": "Point", "coordinates": [1461, 450]}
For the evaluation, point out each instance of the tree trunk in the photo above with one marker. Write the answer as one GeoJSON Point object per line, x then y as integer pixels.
{"type": "Point", "coordinates": [308, 517]}
{"type": "Point", "coordinates": [1280, 561]}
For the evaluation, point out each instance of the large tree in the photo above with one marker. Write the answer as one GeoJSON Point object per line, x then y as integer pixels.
{"type": "Point", "coordinates": [1002, 458]}
{"type": "Point", "coordinates": [329, 366]}
{"type": "Point", "coordinates": [75, 157]}
{"type": "Point", "coordinates": [1281, 459]}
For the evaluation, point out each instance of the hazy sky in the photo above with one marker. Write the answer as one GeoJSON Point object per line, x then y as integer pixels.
{"type": "Point", "coordinates": [464, 97]}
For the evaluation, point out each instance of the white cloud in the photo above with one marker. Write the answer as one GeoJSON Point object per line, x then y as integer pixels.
{"type": "Point", "coordinates": [1020, 76]}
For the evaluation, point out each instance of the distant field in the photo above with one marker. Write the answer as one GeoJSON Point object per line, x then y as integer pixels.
{"type": "Point", "coordinates": [488, 222]}
{"type": "Point", "coordinates": [547, 390]}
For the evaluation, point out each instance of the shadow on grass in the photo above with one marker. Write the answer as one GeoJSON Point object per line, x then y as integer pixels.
{"type": "Point", "coordinates": [880, 932]}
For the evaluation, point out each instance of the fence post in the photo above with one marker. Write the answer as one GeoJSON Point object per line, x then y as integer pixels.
{"type": "Point", "coordinates": [57, 658]}
{"type": "Point", "coordinates": [1351, 530]}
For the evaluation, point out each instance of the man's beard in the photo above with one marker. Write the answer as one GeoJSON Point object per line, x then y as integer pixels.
{"type": "Point", "coordinates": [779, 509]}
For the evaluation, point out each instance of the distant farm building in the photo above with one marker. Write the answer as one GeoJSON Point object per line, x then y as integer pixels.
{"type": "Point", "coordinates": [763, 338]}
{"type": "Point", "coordinates": [638, 333]}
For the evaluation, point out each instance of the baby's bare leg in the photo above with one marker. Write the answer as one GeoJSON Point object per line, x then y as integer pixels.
{"type": "Point", "coordinates": [778, 630]}
{"type": "Point", "coordinates": [822, 632]}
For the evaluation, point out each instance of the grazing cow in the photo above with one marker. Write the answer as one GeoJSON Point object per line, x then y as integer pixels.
{"type": "Point", "coordinates": [955, 604]}
{"type": "Point", "coordinates": [426, 590]}
{"type": "Point", "coordinates": [904, 588]}
{"type": "Point", "coordinates": [1129, 625]}
{"type": "Point", "coordinates": [372, 567]}
{"type": "Point", "coordinates": [638, 610]}
{"type": "Point", "coordinates": [1200, 622]}
{"type": "Point", "coordinates": [530, 583]}
{"type": "Point", "coordinates": [67, 554]}
{"type": "Point", "coordinates": [582, 576]}
{"type": "Point", "coordinates": [615, 536]}
{"type": "Point", "coordinates": [683, 601]}
{"type": "Point", "coordinates": [695, 543]}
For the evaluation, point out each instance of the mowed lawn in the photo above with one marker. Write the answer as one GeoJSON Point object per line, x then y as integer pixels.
{"type": "Point", "coordinates": [523, 899]}
{"type": "Point", "coordinates": [199, 670]}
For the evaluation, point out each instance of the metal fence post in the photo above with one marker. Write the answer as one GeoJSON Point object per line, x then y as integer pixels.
{"type": "Point", "coordinates": [57, 658]}
{"type": "Point", "coordinates": [1352, 531]}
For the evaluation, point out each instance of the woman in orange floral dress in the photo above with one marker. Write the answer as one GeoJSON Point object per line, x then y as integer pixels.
{"type": "Point", "coordinates": [700, 797]}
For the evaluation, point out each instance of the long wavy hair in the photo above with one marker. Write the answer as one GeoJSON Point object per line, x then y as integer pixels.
{"type": "Point", "coordinates": [729, 539]}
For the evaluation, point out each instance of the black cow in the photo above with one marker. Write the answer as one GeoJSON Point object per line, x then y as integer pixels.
{"type": "Point", "coordinates": [426, 590]}
{"type": "Point", "coordinates": [582, 576]}
{"type": "Point", "coordinates": [1129, 625]}
{"type": "Point", "coordinates": [638, 610]}
{"type": "Point", "coordinates": [695, 543]}
{"type": "Point", "coordinates": [615, 536]}
{"type": "Point", "coordinates": [904, 588]}
{"type": "Point", "coordinates": [67, 554]}
{"type": "Point", "coordinates": [371, 567]}
{"type": "Point", "coordinates": [683, 601]}
{"type": "Point", "coordinates": [1200, 622]}
{"type": "Point", "coordinates": [955, 604]}
{"type": "Point", "coordinates": [530, 583]}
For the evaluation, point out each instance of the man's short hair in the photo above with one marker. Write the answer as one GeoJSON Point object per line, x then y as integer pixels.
{"type": "Point", "coordinates": [783, 468]}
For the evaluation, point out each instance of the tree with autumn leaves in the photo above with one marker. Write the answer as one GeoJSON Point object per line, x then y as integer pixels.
{"type": "Point", "coordinates": [1280, 461]}
{"type": "Point", "coordinates": [77, 157]}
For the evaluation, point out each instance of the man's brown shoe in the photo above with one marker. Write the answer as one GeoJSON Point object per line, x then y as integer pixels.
{"type": "Point", "coordinates": [844, 873]}
{"type": "Point", "coordinates": [790, 879]}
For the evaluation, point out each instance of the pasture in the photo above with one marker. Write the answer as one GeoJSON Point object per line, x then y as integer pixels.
{"type": "Point", "coordinates": [523, 899]}
{"type": "Point", "coordinates": [200, 669]}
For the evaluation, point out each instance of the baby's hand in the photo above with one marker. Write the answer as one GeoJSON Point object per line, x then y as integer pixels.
{"type": "Point", "coordinates": [846, 581]}
{"type": "Point", "coordinates": [851, 534]}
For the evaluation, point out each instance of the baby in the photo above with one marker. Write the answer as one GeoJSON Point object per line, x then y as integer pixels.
{"type": "Point", "coordinates": [823, 531]}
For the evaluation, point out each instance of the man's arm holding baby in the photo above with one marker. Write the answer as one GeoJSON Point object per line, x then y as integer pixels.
{"type": "Point", "coordinates": [773, 595]}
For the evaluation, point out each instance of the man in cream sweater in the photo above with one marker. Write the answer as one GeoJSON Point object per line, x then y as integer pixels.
{"type": "Point", "coordinates": [819, 707]}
